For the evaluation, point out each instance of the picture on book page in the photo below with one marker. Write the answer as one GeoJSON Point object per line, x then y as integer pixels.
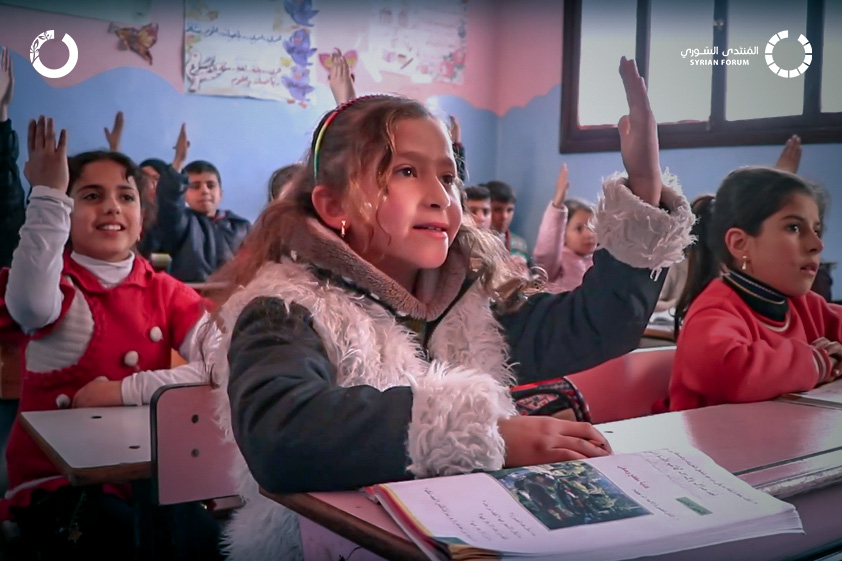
{"type": "Point", "coordinates": [568, 494]}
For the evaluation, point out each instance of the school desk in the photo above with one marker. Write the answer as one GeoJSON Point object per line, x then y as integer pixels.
{"type": "Point", "coordinates": [97, 445]}
{"type": "Point", "coordinates": [94, 445]}
{"type": "Point", "coordinates": [793, 452]}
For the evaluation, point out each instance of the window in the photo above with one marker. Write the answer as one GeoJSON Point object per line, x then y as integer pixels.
{"type": "Point", "coordinates": [701, 93]}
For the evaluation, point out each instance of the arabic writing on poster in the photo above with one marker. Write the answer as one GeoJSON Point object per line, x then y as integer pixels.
{"type": "Point", "coordinates": [250, 48]}
{"type": "Point", "coordinates": [422, 39]}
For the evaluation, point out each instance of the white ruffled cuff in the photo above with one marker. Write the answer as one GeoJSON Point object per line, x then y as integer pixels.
{"type": "Point", "coordinates": [639, 234]}
{"type": "Point", "coordinates": [454, 422]}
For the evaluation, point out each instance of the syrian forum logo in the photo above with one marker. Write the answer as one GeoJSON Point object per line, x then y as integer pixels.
{"type": "Point", "coordinates": [770, 59]}
{"type": "Point", "coordinates": [68, 67]}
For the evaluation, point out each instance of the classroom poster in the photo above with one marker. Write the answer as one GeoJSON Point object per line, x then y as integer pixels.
{"type": "Point", "coordinates": [422, 39]}
{"type": "Point", "coordinates": [250, 48]}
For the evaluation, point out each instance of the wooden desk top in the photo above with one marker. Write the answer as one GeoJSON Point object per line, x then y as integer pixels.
{"type": "Point", "coordinates": [781, 448]}
{"type": "Point", "coordinates": [95, 445]}
{"type": "Point", "coordinates": [353, 516]}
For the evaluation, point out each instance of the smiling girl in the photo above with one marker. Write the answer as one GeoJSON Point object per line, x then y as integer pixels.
{"type": "Point", "coordinates": [97, 326]}
{"type": "Point", "coordinates": [751, 330]}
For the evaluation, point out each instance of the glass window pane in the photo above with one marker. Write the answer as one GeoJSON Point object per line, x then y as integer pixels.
{"type": "Point", "coordinates": [831, 76]}
{"type": "Point", "coordinates": [679, 87]}
{"type": "Point", "coordinates": [607, 34]}
{"type": "Point", "coordinates": [754, 89]}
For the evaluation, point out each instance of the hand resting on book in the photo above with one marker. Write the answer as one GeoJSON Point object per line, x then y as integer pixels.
{"type": "Point", "coordinates": [542, 440]}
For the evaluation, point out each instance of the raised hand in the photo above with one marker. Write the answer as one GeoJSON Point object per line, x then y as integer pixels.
{"type": "Point", "coordinates": [562, 185]}
{"type": "Point", "coordinates": [116, 133]}
{"type": "Point", "coordinates": [7, 83]}
{"type": "Point", "coordinates": [791, 156]}
{"type": "Point", "coordinates": [47, 163]}
{"type": "Point", "coordinates": [181, 146]}
{"type": "Point", "coordinates": [541, 440]}
{"type": "Point", "coordinates": [639, 137]}
{"type": "Point", "coordinates": [340, 79]}
{"type": "Point", "coordinates": [455, 130]}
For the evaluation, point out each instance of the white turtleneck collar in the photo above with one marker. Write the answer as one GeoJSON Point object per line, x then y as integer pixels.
{"type": "Point", "coordinates": [109, 274]}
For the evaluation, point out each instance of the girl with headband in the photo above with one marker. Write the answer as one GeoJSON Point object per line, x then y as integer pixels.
{"type": "Point", "coordinates": [371, 335]}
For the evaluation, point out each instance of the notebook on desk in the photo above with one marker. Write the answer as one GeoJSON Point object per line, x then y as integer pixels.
{"type": "Point", "coordinates": [611, 508]}
{"type": "Point", "coordinates": [827, 395]}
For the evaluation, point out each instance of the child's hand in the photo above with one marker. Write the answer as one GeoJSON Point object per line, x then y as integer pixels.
{"type": "Point", "coordinates": [115, 134]}
{"type": "Point", "coordinates": [455, 130]}
{"type": "Point", "coordinates": [639, 137]}
{"type": "Point", "coordinates": [340, 79]}
{"type": "Point", "coordinates": [540, 440]}
{"type": "Point", "coordinates": [561, 187]}
{"type": "Point", "coordinates": [181, 146]}
{"type": "Point", "coordinates": [791, 156]}
{"type": "Point", "coordinates": [7, 82]}
{"type": "Point", "coordinates": [99, 392]}
{"type": "Point", "coordinates": [834, 350]}
{"type": "Point", "coordinates": [47, 164]}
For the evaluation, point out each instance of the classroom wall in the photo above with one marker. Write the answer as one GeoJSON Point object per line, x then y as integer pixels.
{"type": "Point", "coordinates": [509, 107]}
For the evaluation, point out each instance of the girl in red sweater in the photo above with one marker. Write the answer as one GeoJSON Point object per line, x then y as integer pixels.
{"type": "Point", "coordinates": [752, 330]}
{"type": "Point", "coordinates": [96, 324]}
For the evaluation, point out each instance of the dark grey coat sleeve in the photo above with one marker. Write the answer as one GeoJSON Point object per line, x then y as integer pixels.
{"type": "Point", "coordinates": [298, 430]}
{"type": "Point", "coordinates": [553, 335]}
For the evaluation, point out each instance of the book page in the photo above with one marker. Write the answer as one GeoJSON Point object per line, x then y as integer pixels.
{"type": "Point", "coordinates": [831, 392]}
{"type": "Point", "coordinates": [615, 507]}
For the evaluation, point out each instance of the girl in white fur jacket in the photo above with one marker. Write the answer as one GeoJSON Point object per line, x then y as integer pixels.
{"type": "Point", "coordinates": [372, 336]}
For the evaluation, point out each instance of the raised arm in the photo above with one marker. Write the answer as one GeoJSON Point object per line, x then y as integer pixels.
{"type": "Point", "coordinates": [33, 297]}
{"type": "Point", "coordinates": [115, 135]}
{"type": "Point", "coordinates": [555, 335]}
{"type": "Point", "coordinates": [173, 215]}
{"type": "Point", "coordinates": [550, 241]}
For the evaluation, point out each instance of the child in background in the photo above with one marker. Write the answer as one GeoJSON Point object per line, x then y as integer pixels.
{"type": "Point", "coordinates": [199, 237]}
{"type": "Point", "coordinates": [11, 190]}
{"type": "Point", "coordinates": [362, 293]}
{"type": "Point", "coordinates": [503, 202]}
{"type": "Point", "coordinates": [97, 326]}
{"type": "Point", "coordinates": [566, 239]}
{"type": "Point", "coordinates": [478, 203]}
{"type": "Point", "coordinates": [281, 179]}
{"type": "Point", "coordinates": [750, 329]}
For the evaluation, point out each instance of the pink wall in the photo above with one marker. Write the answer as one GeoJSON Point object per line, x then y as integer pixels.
{"type": "Point", "coordinates": [528, 53]}
{"type": "Point", "coordinates": [513, 49]}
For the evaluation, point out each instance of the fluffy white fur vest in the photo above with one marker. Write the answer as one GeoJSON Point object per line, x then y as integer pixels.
{"type": "Point", "coordinates": [459, 397]}
{"type": "Point", "coordinates": [455, 408]}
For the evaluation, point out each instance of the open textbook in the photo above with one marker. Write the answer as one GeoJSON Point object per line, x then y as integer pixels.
{"type": "Point", "coordinates": [601, 509]}
{"type": "Point", "coordinates": [828, 395]}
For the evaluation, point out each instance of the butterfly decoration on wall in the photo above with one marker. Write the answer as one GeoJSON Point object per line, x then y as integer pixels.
{"type": "Point", "coordinates": [326, 59]}
{"type": "Point", "coordinates": [138, 40]}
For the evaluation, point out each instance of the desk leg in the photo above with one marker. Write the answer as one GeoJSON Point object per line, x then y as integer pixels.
{"type": "Point", "coordinates": [144, 520]}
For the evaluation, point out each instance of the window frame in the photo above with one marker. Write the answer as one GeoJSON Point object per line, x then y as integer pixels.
{"type": "Point", "coordinates": [812, 125]}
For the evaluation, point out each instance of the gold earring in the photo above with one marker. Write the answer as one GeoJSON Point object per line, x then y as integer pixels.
{"type": "Point", "coordinates": [745, 260]}
{"type": "Point", "coordinates": [342, 228]}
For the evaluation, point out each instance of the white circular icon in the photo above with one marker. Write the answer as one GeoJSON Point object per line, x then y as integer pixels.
{"type": "Point", "coordinates": [72, 59]}
{"type": "Point", "coordinates": [770, 60]}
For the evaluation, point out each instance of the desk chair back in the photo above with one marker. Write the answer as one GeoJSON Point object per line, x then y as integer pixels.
{"type": "Point", "coordinates": [191, 459]}
{"type": "Point", "coordinates": [628, 386]}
